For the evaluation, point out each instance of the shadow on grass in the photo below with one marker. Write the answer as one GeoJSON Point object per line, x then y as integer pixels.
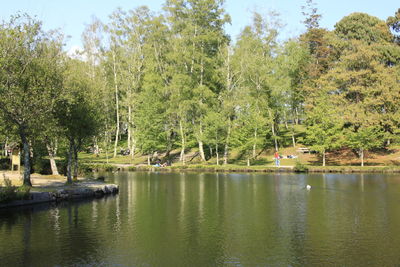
{"type": "Point", "coordinates": [261, 161]}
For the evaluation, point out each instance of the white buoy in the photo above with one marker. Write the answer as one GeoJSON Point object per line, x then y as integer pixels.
{"type": "Point", "coordinates": [308, 187]}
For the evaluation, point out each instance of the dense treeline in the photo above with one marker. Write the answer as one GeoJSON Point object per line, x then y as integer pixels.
{"type": "Point", "coordinates": [176, 80]}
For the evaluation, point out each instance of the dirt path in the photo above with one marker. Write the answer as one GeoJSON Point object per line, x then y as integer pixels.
{"type": "Point", "coordinates": [37, 180]}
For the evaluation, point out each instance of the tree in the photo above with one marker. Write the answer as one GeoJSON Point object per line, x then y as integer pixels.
{"type": "Point", "coordinates": [364, 27]}
{"type": "Point", "coordinates": [255, 58]}
{"type": "Point", "coordinates": [360, 85]}
{"type": "Point", "coordinates": [77, 113]}
{"type": "Point", "coordinates": [365, 138]}
{"type": "Point", "coordinates": [324, 127]}
{"type": "Point", "coordinates": [310, 12]}
{"type": "Point", "coordinates": [30, 78]}
{"type": "Point", "coordinates": [215, 132]}
{"type": "Point", "coordinates": [157, 79]}
{"type": "Point", "coordinates": [197, 34]}
{"type": "Point", "coordinates": [151, 121]}
{"type": "Point", "coordinates": [231, 77]}
{"type": "Point", "coordinates": [93, 54]}
{"type": "Point", "coordinates": [393, 23]}
{"type": "Point", "coordinates": [293, 61]}
{"type": "Point", "coordinates": [246, 133]}
{"type": "Point", "coordinates": [128, 35]}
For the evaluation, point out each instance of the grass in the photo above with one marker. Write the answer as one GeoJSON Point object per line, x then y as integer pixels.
{"type": "Point", "coordinates": [210, 168]}
{"type": "Point", "coordinates": [342, 161]}
{"type": "Point", "coordinates": [345, 160]}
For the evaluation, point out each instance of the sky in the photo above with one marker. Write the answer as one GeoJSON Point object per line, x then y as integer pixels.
{"type": "Point", "coordinates": [71, 16]}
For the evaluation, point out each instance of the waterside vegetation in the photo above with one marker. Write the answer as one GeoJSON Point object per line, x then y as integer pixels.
{"type": "Point", "coordinates": [173, 88]}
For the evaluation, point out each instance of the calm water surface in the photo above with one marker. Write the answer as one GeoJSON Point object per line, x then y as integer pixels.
{"type": "Point", "coordinates": [208, 219]}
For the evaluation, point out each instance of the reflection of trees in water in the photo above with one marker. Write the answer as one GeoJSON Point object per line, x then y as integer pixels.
{"type": "Point", "coordinates": [170, 219]}
{"type": "Point", "coordinates": [50, 234]}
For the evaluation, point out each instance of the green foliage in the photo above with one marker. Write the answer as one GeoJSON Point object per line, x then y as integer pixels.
{"type": "Point", "coordinates": [42, 166]}
{"type": "Point", "coordinates": [324, 127]}
{"type": "Point", "coordinates": [361, 26]}
{"type": "Point", "coordinates": [10, 193]}
{"type": "Point", "coordinates": [366, 138]}
{"type": "Point", "coordinates": [300, 167]}
{"type": "Point", "coordinates": [175, 80]}
{"type": "Point", "coordinates": [394, 23]}
{"type": "Point", "coordinates": [151, 122]}
{"type": "Point", "coordinates": [23, 192]}
{"type": "Point", "coordinates": [77, 110]}
{"type": "Point", "coordinates": [312, 17]}
{"type": "Point", "coordinates": [30, 79]}
{"type": "Point", "coordinates": [7, 192]}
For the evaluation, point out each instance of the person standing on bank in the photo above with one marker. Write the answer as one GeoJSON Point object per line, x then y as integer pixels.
{"type": "Point", "coordinates": [277, 161]}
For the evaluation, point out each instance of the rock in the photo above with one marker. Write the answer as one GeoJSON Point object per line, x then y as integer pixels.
{"type": "Point", "coordinates": [81, 190]}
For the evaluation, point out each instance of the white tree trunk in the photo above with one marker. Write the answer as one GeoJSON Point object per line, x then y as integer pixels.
{"type": "Point", "coordinates": [69, 165]}
{"type": "Point", "coordinates": [5, 147]}
{"type": "Point", "coordinates": [285, 118]}
{"type": "Point", "coordinates": [293, 137]}
{"type": "Point", "coordinates": [201, 150]}
{"type": "Point", "coordinates": [106, 143]}
{"type": "Point", "coordinates": [362, 157]}
{"type": "Point", "coordinates": [273, 130]}
{"type": "Point", "coordinates": [116, 105]}
{"type": "Point", "coordinates": [323, 158]}
{"type": "Point", "coordinates": [129, 126]}
{"type": "Point", "coordinates": [254, 145]}
{"type": "Point", "coordinates": [293, 140]}
{"type": "Point", "coordinates": [226, 152]}
{"type": "Point", "coordinates": [274, 135]}
{"type": "Point", "coordinates": [52, 154]}
{"type": "Point", "coordinates": [182, 156]}
{"type": "Point", "coordinates": [216, 153]}
{"type": "Point", "coordinates": [201, 146]}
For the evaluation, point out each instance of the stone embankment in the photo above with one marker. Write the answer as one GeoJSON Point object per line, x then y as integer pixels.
{"type": "Point", "coordinates": [78, 191]}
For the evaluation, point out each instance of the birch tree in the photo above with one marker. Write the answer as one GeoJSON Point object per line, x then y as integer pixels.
{"type": "Point", "coordinates": [30, 78]}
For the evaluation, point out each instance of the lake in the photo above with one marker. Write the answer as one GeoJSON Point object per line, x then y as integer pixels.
{"type": "Point", "coordinates": [214, 219]}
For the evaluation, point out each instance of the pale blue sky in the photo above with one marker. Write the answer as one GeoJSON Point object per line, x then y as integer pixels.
{"type": "Point", "coordinates": [72, 15]}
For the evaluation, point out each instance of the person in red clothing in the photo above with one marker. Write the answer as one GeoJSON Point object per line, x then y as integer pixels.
{"type": "Point", "coordinates": [276, 157]}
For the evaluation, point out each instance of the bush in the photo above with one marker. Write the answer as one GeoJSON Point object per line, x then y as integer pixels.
{"type": "Point", "coordinates": [41, 166]}
{"type": "Point", "coordinates": [84, 169]}
{"type": "Point", "coordinates": [23, 192]}
{"type": "Point", "coordinates": [300, 167]}
{"type": "Point", "coordinates": [9, 192]}
{"type": "Point", "coordinates": [101, 178]}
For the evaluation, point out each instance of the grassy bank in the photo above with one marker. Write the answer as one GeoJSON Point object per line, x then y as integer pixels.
{"type": "Point", "coordinates": [240, 168]}
{"type": "Point", "coordinates": [355, 169]}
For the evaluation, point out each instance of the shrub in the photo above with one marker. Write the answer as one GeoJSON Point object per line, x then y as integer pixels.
{"type": "Point", "coordinates": [101, 178]}
{"type": "Point", "coordinates": [300, 167]}
{"type": "Point", "coordinates": [41, 166]}
{"type": "Point", "coordinates": [85, 169]}
{"type": "Point", "coordinates": [7, 192]}
{"type": "Point", "coordinates": [23, 192]}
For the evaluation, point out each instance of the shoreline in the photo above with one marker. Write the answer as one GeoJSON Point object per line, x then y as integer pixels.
{"type": "Point", "coordinates": [46, 194]}
{"type": "Point", "coordinates": [96, 167]}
